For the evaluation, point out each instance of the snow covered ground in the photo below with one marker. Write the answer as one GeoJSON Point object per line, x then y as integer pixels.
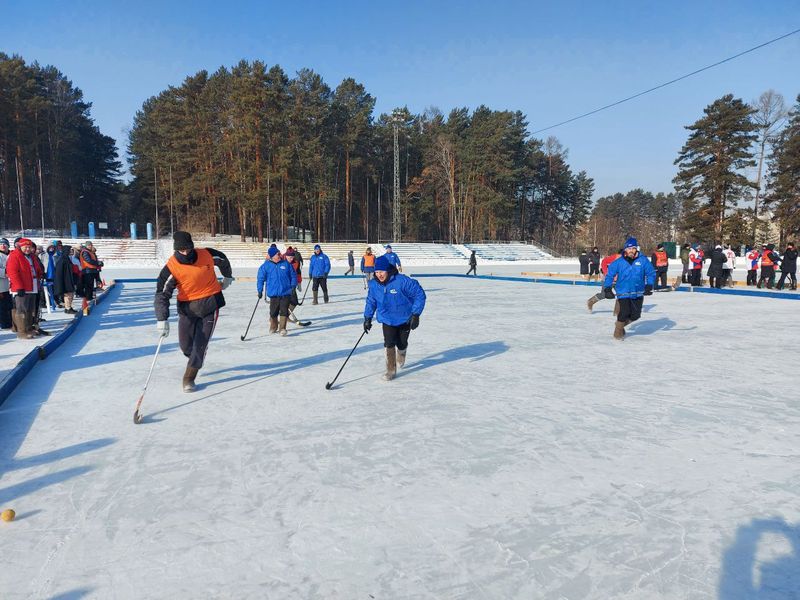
{"type": "Point", "coordinates": [522, 453]}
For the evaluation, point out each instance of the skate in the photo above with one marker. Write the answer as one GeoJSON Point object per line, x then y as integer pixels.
{"type": "Point", "coordinates": [391, 364]}
{"type": "Point", "coordinates": [619, 330]}
{"type": "Point", "coordinates": [188, 379]}
{"type": "Point", "coordinates": [401, 358]}
{"type": "Point", "coordinates": [591, 302]}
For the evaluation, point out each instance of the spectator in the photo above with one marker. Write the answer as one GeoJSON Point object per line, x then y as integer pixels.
{"type": "Point", "coordinates": [685, 250]}
{"type": "Point", "coordinates": [5, 296]}
{"type": "Point", "coordinates": [715, 269]}
{"type": "Point", "coordinates": [729, 266]}
{"type": "Point", "coordinates": [584, 260]}
{"type": "Point", "coordinates": [696, 263]}
{"type": "Point", "coordinates": [752, 266]}
{"type": "Point", "coordinates": [473, 264]}
{"type": "Point", "coordinates": [25, 274]}
{"type": "Point", "coordinates": [594, 264]}
{"type": "Point", "coordinates": [90, 269]}
{"type": "Point", "coordinates": [351, 264]}
{"type": "Point", "coordinates": [64, 281]}
{"type": "Point", "coordinates": [789, 267]}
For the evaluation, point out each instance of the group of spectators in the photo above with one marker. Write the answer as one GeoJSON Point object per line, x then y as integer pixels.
{"type": "Point", "coordinates": [31, 277]}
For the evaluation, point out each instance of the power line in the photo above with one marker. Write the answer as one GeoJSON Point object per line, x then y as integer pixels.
{"type": "Point", "coordinates": [652, 89]}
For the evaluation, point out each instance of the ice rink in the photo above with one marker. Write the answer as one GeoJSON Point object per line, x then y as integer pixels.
{"type": "Point", "coordinates": [522, 453]}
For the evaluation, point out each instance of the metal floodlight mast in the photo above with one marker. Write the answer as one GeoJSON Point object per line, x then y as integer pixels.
{"type": "Point", "coordinates": [397, 118]}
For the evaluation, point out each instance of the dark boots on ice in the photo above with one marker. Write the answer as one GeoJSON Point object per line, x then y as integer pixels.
{"type": "Point", "coordinates": [188, 379]}
{"type": "Point", "coordinates": [619, 330]}
{"type": "Point", "coordinates": [391, 364]}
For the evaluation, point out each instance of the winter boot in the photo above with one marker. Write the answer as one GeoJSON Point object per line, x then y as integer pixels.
{"type": "Point", "coordinates": [188, 379]}
{"type": "Point", "coordinates": [391, 364]}
{"type": "Point", "coordinates": [619, 330]}
{"type": "Point", "coordinates": [591, 302]}
{"type": "Point", "coordinates": [13, 319]}
{"type": "Point", "coordinates": [273, 324]}
{"type": "Point", "coordinates": [20, 320]}
{"type": "Point", "coordinates": [616, 307]}
{"type": "Point", "coordinates": [401, 358]}
{"type": "Point", "coordinates": [325, 297]}
{"type": "Point", "coordinates": [282, 326]}
{"type": "Point", "coordinates": [315, 293]}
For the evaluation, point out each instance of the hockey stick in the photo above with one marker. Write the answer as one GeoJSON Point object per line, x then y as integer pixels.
{"type": "Point", "coordinates": [137, 417]}
{"type": "Point", "coordinates": [304, 293]}
{"type": "Point", "coordinates": [329, 385]}
{"type": "Point", "coordinates": [251, 320]}
{"type": "Point", "coordinates": [296, 320]}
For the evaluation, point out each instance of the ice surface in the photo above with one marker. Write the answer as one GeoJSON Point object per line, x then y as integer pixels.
{"type": "Point", "coordinates": [522, 453]}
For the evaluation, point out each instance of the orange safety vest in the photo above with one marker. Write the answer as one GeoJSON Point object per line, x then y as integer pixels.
{"type": "Point", "coordinates": [766, 260]}
{"type": "Point", "coordinates": [661, 258]}
{"type": "Point", "coordinates": [196, 281]}
{"type": "Point", "coordinates": [369, 260]}
{"type": "Point", "coordinates": [85, 264]}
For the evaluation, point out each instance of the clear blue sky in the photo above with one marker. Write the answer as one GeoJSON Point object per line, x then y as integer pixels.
{"type": "Point", "coordinates": [552, 60]}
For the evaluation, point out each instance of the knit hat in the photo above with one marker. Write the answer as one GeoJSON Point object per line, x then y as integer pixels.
{"type": "Point", "coordinates": [316, 247]}
{"type": "Point", "coordinates": [4, 241]}
{"type": "Point", "coordinates": [182, 240]}
{"type": "Point", "coordinates": [273, 250]}
{"type": "Point", "coordinates": [388, 246]}
{"type": "Point", "coordinates": [289, 251]}
{"type": "Point", "coordinates": [382, 264]}
{"type": "Point", "coordinates": [631, 243]}
{"type": "Point", "coordinates": [25, 242]}
{"type": "Point", "coordinates": [16, 241]}
{"type": "Point", "coordinates": [660, 247]}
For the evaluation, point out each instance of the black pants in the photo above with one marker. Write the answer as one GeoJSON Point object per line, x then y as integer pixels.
{"type": "Point", "coordinates": [279, 305]}
{"type": "Point", "coordinates": [630, 309]}
{"type": "Point", "coordinates": [194, 333]}
{"type": "Point", "coordinates": [715, 282]}
{"type": "Point", "coordinates": [695, 277]}
{"type": "Point", "coordinates": [594, 269]}
{"type": "Point", "coordinates": [473, 269]}
{"type": "Point", "coordinates": [88, 279]}
{"type": "Point", "coordinates": [661, 279]}
{"type": "Point", "coordinates": [6, 305]}
{"type": "Point", "coordinates": [752, 277]}
{"type": "Point", "coordinates": [685, 273]}
{"type": "Point", "coordinates": [767, 277]}
{"type": "Point", "coordinates": [351, 270]}
{"type": "Point", "coordinates": [320, 282]}
{"type": "Point", "coordinates": [396, 336]}
{"type": "Point", "coordinates": [792, 277]}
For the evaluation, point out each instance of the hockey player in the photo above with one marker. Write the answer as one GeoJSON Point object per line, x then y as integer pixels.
{"type": "Point", "coordinates": [291, 257]}
{"type": "Point", "coordinates": [604, 264]}
{"type": "Point", "coordinates": [318, 269]}
{"type": "Point", "coordinates": [752, 266]}
{"type": "Point", "coordinates": [768, 261]}
{"type": "Point", "coordinates": [660, 262]}
{"type": "Point", "coordinates": [280, 279]}
{"type": "Point", "coordinates": [191, 270]}
{"type": "Point", "coordinates": [728, 268]}
{"type": "Point", "coordinates": [368, 264]}
{"type": "Point", "coordinates": [399, 301]}
{"type": "Point", "coordinates": [634, 276]}
{"type": "Point", "coordinates": [393, 259]}
{"type": "Point", "coordinates": [789, 267]}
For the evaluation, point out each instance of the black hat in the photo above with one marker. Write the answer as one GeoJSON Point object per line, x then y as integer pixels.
{"type": "Point", "coordinates": [182, 240]}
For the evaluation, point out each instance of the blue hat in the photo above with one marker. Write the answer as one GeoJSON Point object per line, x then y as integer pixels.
{"type": "Point", "coordinates": [382, 264]}
{"type": "Point", "coordinates": [631, 243]}
{"type": "Point", "coordinates": [388, 246]}
{"type": "Point", "coordinates": [316, 247]}
{"type": "Point", "coordinates": [273, 250]}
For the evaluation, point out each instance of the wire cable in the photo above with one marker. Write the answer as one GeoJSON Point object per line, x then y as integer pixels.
{"type": "Point", "coordinates": [652, 89]}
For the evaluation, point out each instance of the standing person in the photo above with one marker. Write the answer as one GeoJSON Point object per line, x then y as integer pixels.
{"type": "Point", "coordinates": [351, 264]}
{"type": "Point", "coordinates": [752, 266]}
{"type": "Point", "coordinates": [6, 302]}
{"type": "Point", "coordinates": [63, 281]}
{"type": "Point", "coordinates": [191, 271]}
{"type": "Point", "coordinates": [696, 265]}
{"type": "Point", "coordinates": [729, 266]}
{"type": "Point", "coordinates": [604, 264]}
{"type": "Point", "coordinates": [768, 261]}
{"type": "Point", "coordinates": [318, 270]}
{"type": "Point", "coordinates": [25, 274]}
{"type": "Point", "coordinates": [789, 267]}
{"type": "Point", "coordinates": [399, 301]}
{"type": "Point", "coordinates": [473, 264]}
{"type": "Point", "coordinates": [660, 262]}
{"type": "Point", "coordinates": [50, 267]}
{"type": "Point", "coordinates": [280, 278]}
{"type": "Point", "coordinates": [716, 268]}
{"type": "Point", "coordinates": [594, 264]}
{"type": "Point", "coordinates": [90, 267]}
{"type": "Point", "coordinates": [634, 276]}
{"type": "Point", "coordinates": [291, 257]}
{"type": "Point", "coordinates": [368, 264]}
{"type": "Point", "coordinates": [583, 261]}
{"type": "Point", "coordinates": [685, 250]}
{"type": "Point", "coordinates": [393, 259]}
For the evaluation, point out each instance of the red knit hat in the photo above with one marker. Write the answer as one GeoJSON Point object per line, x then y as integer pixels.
{"type": "Point", "coordinates": [25, 242]}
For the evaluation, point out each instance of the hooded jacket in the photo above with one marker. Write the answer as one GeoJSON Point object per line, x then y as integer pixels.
{"type": "Point", "coordinates": [632, 276]}
{"type": "Point", "coordinates": [395, 300]}
{"type": "Point", "coordinates": [279, 277]}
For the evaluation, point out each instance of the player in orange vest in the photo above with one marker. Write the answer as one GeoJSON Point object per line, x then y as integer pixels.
{"type": "Point", "coordinates": [191, 271]}
{"type": "Point", "coordinates": [660, 262]}
{"type": "Point", "coordinates": [768, 262]}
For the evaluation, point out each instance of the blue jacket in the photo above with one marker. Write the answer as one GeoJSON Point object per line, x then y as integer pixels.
{"type": "Point", "coordinates": [396, 300]}
{"type": "Point", "coordinates": [280, 278]}
{"type": "Point", "coordinates": [393, 259]}
{"type": "Point", "coordinates": [319, 266]}
{"type": "Point", "coordinates": [631, 277]}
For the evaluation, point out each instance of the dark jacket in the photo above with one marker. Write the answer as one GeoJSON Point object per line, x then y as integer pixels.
{"type": "Point", "coordinates": [595, 258]}
{"type": "Point", "coordinates": [584, 260]}
{"type": "Point", "coordinates": [166, 284]}
{"type": "Point", "coordinates": [789, 262]}
{"type": "Point", "coordinates": [715, 269]}
{"type": "Point", "coordinates": [473, 262]}
{"type": "Point", "coordinates": [63, 279]}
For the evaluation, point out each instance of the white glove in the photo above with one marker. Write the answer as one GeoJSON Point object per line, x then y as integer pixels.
{"type": "Point", "coordinates": [226, 281]}
{"type": "Point", "coordinates": [163, 328]}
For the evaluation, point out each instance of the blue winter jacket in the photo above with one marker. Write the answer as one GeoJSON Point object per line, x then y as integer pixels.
{"type": "Point", "coordinates": [631, 277]}
{"type": "Point", "coordinates": [393, 259]}
{"type": "Point", "coordinates": [396, 300]}
{"type": "Point", "coordinates": [319, 266]}
{"type": "Point", "coordinates": [280, 278]}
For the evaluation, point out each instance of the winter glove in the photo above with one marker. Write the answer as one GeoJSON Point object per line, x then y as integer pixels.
{"type": "Point", "coordinates": [163, 328]}
{"type": "Point", "coordinates": [21, 294]}
{"type": "Point", "coordinates": [648, 290]}
{"type": "Point", "coordinates": [367, 324]}
{"type": "Point", "coordinates": [226, 281]}
{"type": "Point", "coordinates": [100, 263]}
{"type": "Point", "coordinates": [609, 293]}
{"type": "Point", "coordinates": [414, 322]}
{"type": "Point", "coordinates": [260, 294]}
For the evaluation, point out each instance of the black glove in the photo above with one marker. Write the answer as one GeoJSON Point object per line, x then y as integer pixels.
{"type": "Point", "coordinates": [648, 290]}
{"type": "Point", "coordinates": [609, 293]}
{"type": "Point", "coordinates": [414, 322]}
{"type": "Point", "coordinates": [21, 293]}
{"type": "Point", "coordinates": [260, 295]}
{"type": "Point", "coordinates": [367, 324]}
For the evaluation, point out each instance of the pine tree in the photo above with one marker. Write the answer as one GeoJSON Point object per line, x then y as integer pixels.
{"type": "Point", "coordinates": [784, 186]}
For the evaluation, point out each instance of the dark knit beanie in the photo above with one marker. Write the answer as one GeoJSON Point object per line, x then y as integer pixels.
{"type": "Point", "coordinates": [182, 240]}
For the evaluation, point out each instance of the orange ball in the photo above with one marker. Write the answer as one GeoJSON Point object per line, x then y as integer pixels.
{"type": "Point", "coordinates": [8, 515]}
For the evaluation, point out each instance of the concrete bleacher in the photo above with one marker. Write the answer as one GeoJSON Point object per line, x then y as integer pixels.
{"type": "Point", "coordinates": [511, 251]}
{"type": "Point", "coordinates": [122, 251]}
